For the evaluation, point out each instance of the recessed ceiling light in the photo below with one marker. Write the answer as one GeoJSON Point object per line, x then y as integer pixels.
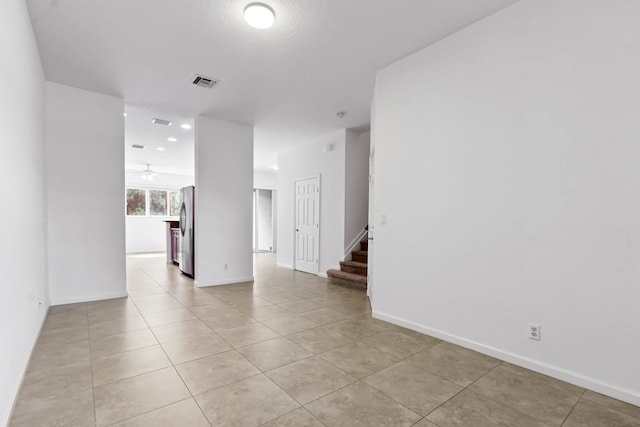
{"type": "Point", "coordinates": [259, 15]}
{"type": "Point", "coordinates": [160, 148]}
{"type": "Point", "coordinates": [172, 139]}
{"type": "Point", "coordinates": [124, 114]}
{"type": "Point", "coordinates": [274, 167]}
{"type": "Point", "coordinates": [185, 126]}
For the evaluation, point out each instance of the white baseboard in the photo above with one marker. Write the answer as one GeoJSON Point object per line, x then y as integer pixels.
{"type": "Point", "coordinates": [223, 282]}
{"type": "Point", "coordinates": [323, 274]}
{"type": "Point", "coordinates": [88, 298]}
{"type": "Point", "coordinates": [620, 393]}
{"type": "Point", "coordinates": [287, 266]}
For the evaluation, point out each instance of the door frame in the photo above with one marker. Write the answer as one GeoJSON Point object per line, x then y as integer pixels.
{"type": "Point", "coordinates": [295, 207]}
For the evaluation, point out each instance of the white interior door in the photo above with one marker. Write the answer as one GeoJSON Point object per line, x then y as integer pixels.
{"type": "Point", "coordinates": [307, 224]}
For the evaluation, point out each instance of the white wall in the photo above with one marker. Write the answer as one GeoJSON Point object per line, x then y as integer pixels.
{"type": "Point", "coordinates": [265, 179]}
{"type": "Point", "coordinates": [223, 204]}
{"type": "Point", "coordinates": [306, 160]}
{"type": "Point", "coordinates": [510, 150]}
{"type": "Point", "coordinates": [85, 195]}
{"type": "Point", "coordinates": [356, 184]}
{"type": "Point", "coordinates": [22, 247]}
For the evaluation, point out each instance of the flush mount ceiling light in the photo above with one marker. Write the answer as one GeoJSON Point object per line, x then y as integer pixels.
{"type": "Point", "coordinates": [185, 126]}
{"type": "Point", "coordinates": [172, 139]}
{"type": "Point", "coordinates": [259, 15]}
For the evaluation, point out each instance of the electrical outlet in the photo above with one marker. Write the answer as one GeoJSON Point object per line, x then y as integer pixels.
{"type": "Point", "coordinates": [534, 331]}
{"type": "Point", "coordinates": [383, 219]}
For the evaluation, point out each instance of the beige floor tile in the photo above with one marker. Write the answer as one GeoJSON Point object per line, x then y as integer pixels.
{"type": "Point", "coordinates": [414, 388]}
{"type": "Point", "coordinates": [325, 315]}
{"type": "Point", "coordinates": [539, 396]}
{"type": "Point", "coordinates": [65, 335]}
{"type": "Point", "coordinates": [297, 418]}
{"type": "Point", "coordinates": [299, 307]}
{"type": "Point", "coordinates": [64, 320]}
{"type": "Point", "coordinates": [69, 379]}
{"type": "Point", "coordinates": [309, 379]}
{"type": "Point", "coordinates": [68, 308]}
{"type": "Point", "coordinates": [246, 403]}
{"type": "Point", "coordinates": [187, 349]}
{"type": "Point", "coordinates": [319, 340]}
{"type": "Point", "coordinates": [135, 396]}
{"type": "Point", "coordinates": [122, 342]}
{"type": "Point", "coordinates": [102, 311]}
{"type": "Point", "coordinates": [69, 410]}
{"type": "Point", "coordinates": [267, 313]}
{"type": "Point", "coordinates": [396, 343]}
{"type": "Point", "coordinates": [425, 423]}
{"type": "Point", "coordinates": [248, 304]}
{"type": "Point", "coordinates": [166, 317]}
{"type": "Point", "coordinates": [625, 408]}
{"type": "Point", "coordinates": [215, 371]}
{"type": "Point", "coordinates": [55, 355]}
{"type": "Point", "coordinates": [280, 298]}
{"type": "Point", "coordinates": [290, 325]}
{"type": "Point", "coordinates": [247, 334]}
{"type": "Point", "coordinates": [214, 310]}
{"type": "Point", "coordinates": [356, 328]}
{"type": "Point", "coordinates": [447, 363]}
{"type": "Point", "coordinates": [470, 409]}
{"type": "Point", "coordinates": [586, 414]}
{"type": "Point", "coordinates": [228, 321]}
{"type": "Point", "coordinates": [116, 326]}
{"type": "Point", "coordinates": [116, 367]}
{"type": "Point", "coordinates": [274, 353]}
{"type": "Point", "coordinates": [358, 359]}
{"type": "Point", "coordinates": [361, 405]}
{"type": "Point", "coordinates": [175, 331]}
{"type": "Point", "coordinates": [185, 413]}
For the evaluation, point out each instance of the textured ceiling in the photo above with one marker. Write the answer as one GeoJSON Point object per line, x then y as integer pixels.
{"type": "Point", "coordinates": [289, 81]}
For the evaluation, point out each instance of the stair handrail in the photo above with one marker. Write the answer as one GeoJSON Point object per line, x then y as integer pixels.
{"type": "Point", "coordinates": [355, 242]}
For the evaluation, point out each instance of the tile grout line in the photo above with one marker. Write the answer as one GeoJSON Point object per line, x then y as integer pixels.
{"type": "Point", "coordinates": [573, 407]}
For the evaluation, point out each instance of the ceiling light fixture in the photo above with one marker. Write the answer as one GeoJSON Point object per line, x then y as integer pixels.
{"type": "Point", "coordinates": [185, 126]}
{"type": "Point", "coordinates": [160, 148]}
{"type": "Point", "coordinates": [148, 174]}
{"type": "Point", "coordinates": [274, 167]}
{"type": "Point", "coordinates": [172, 139]}
{"type": "Point", "coordinates": [259, 15]}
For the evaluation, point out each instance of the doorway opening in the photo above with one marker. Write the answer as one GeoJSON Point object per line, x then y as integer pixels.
{"type": "Point", "coordinates": [264, 220]}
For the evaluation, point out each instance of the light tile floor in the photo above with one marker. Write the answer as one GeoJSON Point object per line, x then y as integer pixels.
{"type": "Point", "coordinates": [287, 350]}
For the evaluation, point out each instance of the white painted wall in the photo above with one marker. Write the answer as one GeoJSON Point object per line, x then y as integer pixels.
{"type": "Point", "coordinates": [510, 152]}
{"type": "Point", "coordinates": [23, 245]}
{"type": "Point", "coordinates": [85, 195]}
{"type": "Point", "coordinates": [356, 184]}
{"type": "Point", "coordinates": [265, 179]}
{"type": "Point", "coordinates": [223, 211]}
{"type": "Point", "coordinates": [306, 160]}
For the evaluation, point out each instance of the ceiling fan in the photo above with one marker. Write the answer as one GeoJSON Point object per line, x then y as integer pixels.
{"type": "Point", "coordinates": [148, 174]}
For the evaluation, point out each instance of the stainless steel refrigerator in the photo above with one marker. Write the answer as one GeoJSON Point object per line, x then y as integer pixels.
{"type": "Point", "coordinates": [186, 254]}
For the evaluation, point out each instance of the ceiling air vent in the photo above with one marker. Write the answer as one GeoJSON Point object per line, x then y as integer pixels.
{"type": "Point", "coordinates": [202, 81]}
{"type": "Point", "coordinates": [138, 146]}
{"type": "Point", "coordinates": [161, 122]}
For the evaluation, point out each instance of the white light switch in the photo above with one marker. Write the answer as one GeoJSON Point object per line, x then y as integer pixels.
{"type": "Point", "coordinates": [383, 219]}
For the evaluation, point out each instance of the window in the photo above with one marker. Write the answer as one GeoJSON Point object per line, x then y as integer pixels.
{"type": "Point", "coordinates": [157, 202]}
{"type": "Point", "coordinates": [136, 202]}
{"type": "Point", "coordinates": [174, 203]}
{"type": "Point", "coordinates": [141, 202]}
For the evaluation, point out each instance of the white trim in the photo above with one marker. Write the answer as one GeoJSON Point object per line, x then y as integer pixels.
{"type": "Point", "coordinates": [356, 241]}
{"type": "Point", "coordinates": [575, 378]}
{"type": "Point", "coordinates": [287, 266]}
{"type": "Point", "coordinates": [88, 298]}
{"type": "Point", "coordinates": [323, 275]}
{"type": "Point", "coordinates": [223, 282]}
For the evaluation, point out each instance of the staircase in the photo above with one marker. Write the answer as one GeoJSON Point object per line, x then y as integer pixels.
{"type": "Point", "coordinates": [352, 273]}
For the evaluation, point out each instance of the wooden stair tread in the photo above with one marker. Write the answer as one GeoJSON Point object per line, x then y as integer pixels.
{"type": "Point", "coordinates": [360, 252]}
